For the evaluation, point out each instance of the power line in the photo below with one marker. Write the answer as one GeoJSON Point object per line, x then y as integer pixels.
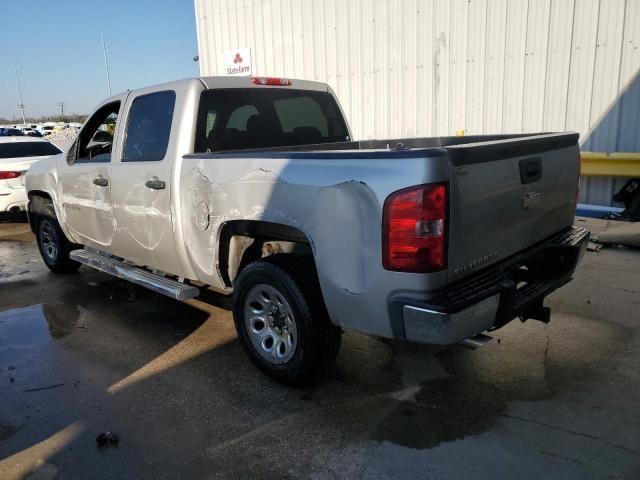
{"type": "Point", "coordinates": [61, 105]}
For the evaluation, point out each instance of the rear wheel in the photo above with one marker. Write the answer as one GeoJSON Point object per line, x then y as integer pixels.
{"type": "Point", "coordinates": [54, 246]}
{"type": "Point", "coordinates": [281, 319]}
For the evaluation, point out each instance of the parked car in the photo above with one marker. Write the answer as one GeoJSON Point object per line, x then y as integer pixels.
{"type": "Point", "coordinates": [47, 129]}
{"type": "Point", "coordinates": [254, 187]}
{"type": "Point", "coordinates": [10, 132]}
{"type": "Point", "coordinates": [17, 154]}
{"type": "Point", "coordinates": [31, 133]}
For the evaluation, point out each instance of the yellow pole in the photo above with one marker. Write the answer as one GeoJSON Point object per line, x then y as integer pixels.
{"type": "Point", "coordinates": [610, 164]}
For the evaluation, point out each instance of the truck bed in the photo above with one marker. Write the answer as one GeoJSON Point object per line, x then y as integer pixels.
{"type": "Point", "coordinates": [505, 192]}
{"type": "Point", "coordinates": [471, 142]}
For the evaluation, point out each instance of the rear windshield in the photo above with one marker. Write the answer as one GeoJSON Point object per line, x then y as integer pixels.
{"type": "Point", "coordinates": [235, 119]}
{"type": "Point", "coordinates": [27, 149]}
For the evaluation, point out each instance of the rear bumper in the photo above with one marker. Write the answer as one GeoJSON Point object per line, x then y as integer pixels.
{"type": "Point", "coordinates": [494, 297]}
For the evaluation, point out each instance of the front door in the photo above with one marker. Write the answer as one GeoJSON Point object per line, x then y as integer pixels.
{"type": "Point", "coordinates": [84, 181]}
{"type": "Point", "coordinates": [141, 181]}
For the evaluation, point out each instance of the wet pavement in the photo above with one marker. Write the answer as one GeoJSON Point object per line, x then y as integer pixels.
{"type": "Point", "coordinates": [84, 354]}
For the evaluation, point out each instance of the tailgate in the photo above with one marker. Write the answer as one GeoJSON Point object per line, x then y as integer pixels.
{"type": "Point", "coordinates": [507, 195]}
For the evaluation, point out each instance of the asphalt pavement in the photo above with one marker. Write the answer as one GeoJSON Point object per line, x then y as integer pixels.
{"type": "Point", "coordinates": [86, 354]}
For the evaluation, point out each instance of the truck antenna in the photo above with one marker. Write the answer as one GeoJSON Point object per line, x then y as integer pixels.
{"type": "Point", "coordinates": [106, 64]}
{"type": "Point", "coordinates": [21, 104]}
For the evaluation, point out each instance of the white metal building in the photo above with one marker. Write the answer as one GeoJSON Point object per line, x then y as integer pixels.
{"type": "Point", "coordinates": [436, 67]}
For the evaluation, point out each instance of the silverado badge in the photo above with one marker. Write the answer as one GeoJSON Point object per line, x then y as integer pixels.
{"type": "Point", "coordinates": [476, 263]}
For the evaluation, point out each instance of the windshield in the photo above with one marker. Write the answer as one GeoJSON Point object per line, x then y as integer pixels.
{"type": "Point", "coordinates": [27, 149]}
{"type": "Point", "coordinates": [235, 119]}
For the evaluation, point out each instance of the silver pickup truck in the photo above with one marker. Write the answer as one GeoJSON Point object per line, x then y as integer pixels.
{"type": "Point", "coordinates": [254, 187]}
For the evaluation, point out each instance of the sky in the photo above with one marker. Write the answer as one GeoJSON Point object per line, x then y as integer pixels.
{"type": "Point", "coordinates": [58, 50]}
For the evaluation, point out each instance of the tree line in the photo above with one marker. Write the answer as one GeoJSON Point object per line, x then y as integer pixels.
{"type": "Point", "coordinates": [70, 118]}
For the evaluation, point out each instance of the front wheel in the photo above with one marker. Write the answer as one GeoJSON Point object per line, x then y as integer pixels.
{"type": "Point", "coordinates": [54, 246]}
{"type": "Point", "coordinates": [281, 319]}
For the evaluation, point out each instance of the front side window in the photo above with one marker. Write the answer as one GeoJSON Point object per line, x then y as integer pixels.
{"type": "Point", "coordinates": [149, 127]}
{"type": "Point", "coordinates": [96, 139]}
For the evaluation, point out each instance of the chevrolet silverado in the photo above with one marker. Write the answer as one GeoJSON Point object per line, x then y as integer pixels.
{"type": "Point", "coordinates": [254, 187]}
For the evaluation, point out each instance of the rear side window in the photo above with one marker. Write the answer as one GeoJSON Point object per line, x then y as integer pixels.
{"type": "Point", "coordinates": [149, 127]}
{"type": "Point", "coordinates": [236, 119]}
{"type": "Point", "coordinates": [27, 149]}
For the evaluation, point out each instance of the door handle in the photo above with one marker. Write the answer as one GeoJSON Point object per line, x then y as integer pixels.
{"type": "Point", "coordinates": [530, 170]}
{"type": "Point", "coordinates": [155, 184]}
{"type": "Point", "coordinates": [101, 182]}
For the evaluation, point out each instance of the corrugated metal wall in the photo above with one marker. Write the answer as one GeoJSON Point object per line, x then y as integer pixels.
{"type": "Point", "coordinates": [434, 67]}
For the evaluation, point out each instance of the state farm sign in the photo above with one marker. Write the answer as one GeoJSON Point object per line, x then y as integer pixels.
{"type": "Point", "coordinates": [237, 62]}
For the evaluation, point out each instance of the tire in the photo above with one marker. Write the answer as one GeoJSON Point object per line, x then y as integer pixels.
{"type": "Point", "coordinates": [54, 246]}
{"type": "Point", "coordinates": [311, 342]}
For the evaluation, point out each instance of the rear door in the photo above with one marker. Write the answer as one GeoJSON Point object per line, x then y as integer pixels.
{"type": "Point", "coordinates": [84, 180]}
{"type": "Point", "coordinates": [508, 195]}
{"type": "Point", "coordinates": [141, 182]}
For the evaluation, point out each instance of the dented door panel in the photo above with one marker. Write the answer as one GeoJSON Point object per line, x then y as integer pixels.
{"type": "Point", "coordinates": [144, 231]}
{"type": "Point", "coordinates": [87, 206]}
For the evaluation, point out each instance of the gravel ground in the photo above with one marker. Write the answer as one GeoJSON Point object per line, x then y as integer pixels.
{"type": "Point", "coordinates": [63, 138]}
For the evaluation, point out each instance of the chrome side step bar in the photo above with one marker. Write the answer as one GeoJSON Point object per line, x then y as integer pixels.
{"type": "Point", "coordinates": [144, 278]}
{"type": "Point", "coordinates": [476, 342]}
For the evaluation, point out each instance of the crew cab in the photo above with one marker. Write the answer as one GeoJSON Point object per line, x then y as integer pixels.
{"type": "Point", "coordinates": [254, 187]}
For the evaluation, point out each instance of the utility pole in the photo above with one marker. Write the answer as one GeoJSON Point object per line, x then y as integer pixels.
{"type": "Point", "coordinates": [21, 104]}
{"type": "Point", "coordinates": [106, 64]}
{"type": "Point", "coordinates": [61, 105]}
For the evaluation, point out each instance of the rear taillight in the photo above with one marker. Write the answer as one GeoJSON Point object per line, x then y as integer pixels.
{"type": "Point", "coordinates": [414, 229]}
{"type": "Point", "coordinates": [9, 175]}
{"type": "Point", "coordinates": [278, 82]}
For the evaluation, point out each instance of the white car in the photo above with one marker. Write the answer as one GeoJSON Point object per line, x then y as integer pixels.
{"type": "Point", "coordinates": [47, 129]}
{"type": "Point", "coordinates": [16, 156]}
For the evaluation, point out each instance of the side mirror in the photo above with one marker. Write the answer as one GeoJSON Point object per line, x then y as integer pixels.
{"type": "Point", "coordinates": [72, 154]}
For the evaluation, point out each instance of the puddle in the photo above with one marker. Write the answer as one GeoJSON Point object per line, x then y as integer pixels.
{"type": "Point", "coordinates": [7, 430]}
{"type": "Point", "coordinates": [469, 391]}
{"type": "Point", "coordinates": [62, 319]}
{"type": "Point", "coordinates": [14, 285]}
{"type": "Point", "coordinates": [446, 409]}
{"type": "Point", "coordinates": [33, 327]}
